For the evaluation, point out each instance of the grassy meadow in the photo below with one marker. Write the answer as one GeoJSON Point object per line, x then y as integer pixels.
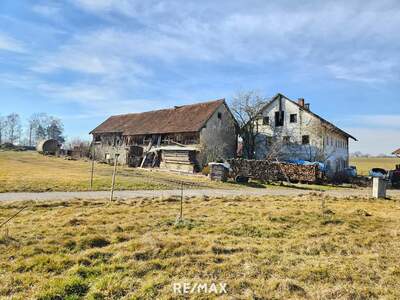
{"type": "Point", "coordinates": [307, 247]}
{"type": "Point", "coordinates": [365, 164]}
{"type": "Point", "coordinates": [30, 171]}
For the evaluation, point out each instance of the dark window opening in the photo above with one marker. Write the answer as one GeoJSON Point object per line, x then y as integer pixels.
{"type": "Point", "coordinates": [268, 141]}
{"type": "Point", "coordinates": [305, 140]}
{"type": "Point", "coordinates": [265, 120]}
{"type": "Point", "coordinates": [279, 118]}
{"type": "Point", "coordinates": [286, 139]}
{"type": "Point", "coordinates": [293, 118]}
{"type": "Point", "coordinates": [219, 115]}
{"type": "Point", "coordinates": [97, 138]}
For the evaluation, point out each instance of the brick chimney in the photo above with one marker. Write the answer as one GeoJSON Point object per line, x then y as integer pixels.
{"type": "Point", "coordinates": [301, 102]}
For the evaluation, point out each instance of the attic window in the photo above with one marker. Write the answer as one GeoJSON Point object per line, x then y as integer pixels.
{"type": "Point", "coordinates": [219, 115]}
{"type": "Point", "coordinates": [265, 121]}
{"type": "Point", "coordinates": [305, 140]}
{"type": "Point", "coordinates": [279, 118]}
{"type": "Point", "coordinates": [293, 118]}
{"type": "Point", "coordinates": [97, 138]}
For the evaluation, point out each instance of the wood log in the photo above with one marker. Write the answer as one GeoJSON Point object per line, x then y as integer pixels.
{"type": "Point", "coordinates": [274, 171]}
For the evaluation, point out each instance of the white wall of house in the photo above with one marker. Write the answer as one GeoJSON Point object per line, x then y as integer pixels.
{"type": "Point", "coordinates": [219, 136]}
{"type": "Point", "coordinates": [306, 136]}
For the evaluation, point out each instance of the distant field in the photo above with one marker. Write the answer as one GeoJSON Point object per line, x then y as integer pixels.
{"type": "Point", "coordinates": [364, 165]}
{"type": "Point", "coordinates": [32, 172]}
{"type": "Point", "coordinates": [262, 248]}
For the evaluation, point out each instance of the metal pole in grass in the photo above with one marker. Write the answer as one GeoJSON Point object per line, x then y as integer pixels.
{"type": "Point", "coordinates": [181, 211]}
{"type": "Point", "coordinates": [92, 171]}
{"type": "Point", "coordinates": [113, 176]}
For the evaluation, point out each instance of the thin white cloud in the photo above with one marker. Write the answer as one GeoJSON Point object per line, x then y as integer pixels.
{"type": "Point", "coordinates": [47, 10]}
{"type": "Point", "coordinates": [375, 141]}
{"type": "Point", "coordinates": [8, 43]}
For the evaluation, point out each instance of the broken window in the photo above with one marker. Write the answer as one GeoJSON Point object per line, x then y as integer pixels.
{"type": "Point", "coordinates": [265, 121]}
{"type": "Point", "coordinates": [97, 138]}
{"type": "Point", "coordinates": [219, 115]}
{"type": "Point", "coordinates": [279, 118]}
{"type": "Point", "coordinates": [293, 118]}
{"type": "Point", "coordinates": [305, 140]}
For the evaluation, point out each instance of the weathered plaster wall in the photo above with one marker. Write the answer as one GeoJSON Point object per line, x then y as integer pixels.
{"type": "Point", "coordinates": [111, 144]}
{"type": "Point", "coordinates": [325, 145]}
{"type": "Point", "coordinates": [218, 137]}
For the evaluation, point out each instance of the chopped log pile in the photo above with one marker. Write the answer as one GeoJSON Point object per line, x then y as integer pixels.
{"type": "Point", "coordinates": [274, 171]}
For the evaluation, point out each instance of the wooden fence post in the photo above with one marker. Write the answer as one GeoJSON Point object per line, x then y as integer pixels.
{"type": "Point", "coordinates": [113, 176]}
{"type": "Point", "coordinates": [181, 211]}
{"type": "Point", "coordinates": [92, 170]}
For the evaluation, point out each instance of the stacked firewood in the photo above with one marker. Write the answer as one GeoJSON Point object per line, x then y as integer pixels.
{"type": "Point", "coordinates": [274, 171]}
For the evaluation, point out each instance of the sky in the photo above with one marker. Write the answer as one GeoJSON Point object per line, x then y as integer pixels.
{"type": "Point", "coordinates": [84, 60]}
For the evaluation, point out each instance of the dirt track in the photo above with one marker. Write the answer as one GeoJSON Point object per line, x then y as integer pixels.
{"type": "Point", "coordinates": [341, 193]}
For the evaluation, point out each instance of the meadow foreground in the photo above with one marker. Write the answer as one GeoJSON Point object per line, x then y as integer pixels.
{"type": "Point", "coordinates": [306, 246]}
{"type": "Point", "coordinates": [30, 171]}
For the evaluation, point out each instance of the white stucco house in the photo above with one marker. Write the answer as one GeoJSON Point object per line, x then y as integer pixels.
{"type": "Point", "coordinates": [300, 134]}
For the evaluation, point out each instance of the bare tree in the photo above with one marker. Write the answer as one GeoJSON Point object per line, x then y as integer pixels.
{"type": "Point", "coordinates": [41, 126]}
{"type": "Point", "coordinates": [246, 107]}
{"type": "Point", "coordinates": [77, 142]}
{"type": "Point", "coordinates": [3, 126]}
{"type": "Point", "coordinates": [55, 129]}
{"type": "Point", "coordinates": [13, 125]}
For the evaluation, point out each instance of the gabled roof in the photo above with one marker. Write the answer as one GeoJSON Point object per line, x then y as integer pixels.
{"type": "Point", "coordinates": [327, 123]}
{"type": "Point", "coordinates": [187, 118]}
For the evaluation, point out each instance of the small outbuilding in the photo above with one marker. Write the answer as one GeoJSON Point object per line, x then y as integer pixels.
{"type": "Point", "coordinates": [48, 147]}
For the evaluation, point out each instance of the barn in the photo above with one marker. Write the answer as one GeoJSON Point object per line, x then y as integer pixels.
{"type": "Point", "coordinates": [183, 138]}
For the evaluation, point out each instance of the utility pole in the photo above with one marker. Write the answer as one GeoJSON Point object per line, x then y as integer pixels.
{"type": "Point", "coordinates": [113, 176]}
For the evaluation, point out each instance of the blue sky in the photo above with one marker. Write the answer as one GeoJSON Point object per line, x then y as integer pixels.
{"type": "Point", "coordinates": [83, 60]}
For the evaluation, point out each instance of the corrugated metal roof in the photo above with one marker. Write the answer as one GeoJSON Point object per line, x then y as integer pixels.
{"type": "Point", "coordinates": [187, 118]}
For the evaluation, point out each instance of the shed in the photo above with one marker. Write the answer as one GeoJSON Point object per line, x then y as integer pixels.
{"type": "Point", "coordinates": [50, 147]}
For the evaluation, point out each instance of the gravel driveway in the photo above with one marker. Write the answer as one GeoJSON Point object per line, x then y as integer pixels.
{"type": "Point", "coordinates": [340, 192]}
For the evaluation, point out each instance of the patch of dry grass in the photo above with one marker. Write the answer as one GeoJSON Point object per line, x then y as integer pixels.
{"type": "Point", "coordinates": [32, 172]}
{"type": "Point", "coordinates": [263, 248]}
{"type": "Point", "coordinates": [365, 164]}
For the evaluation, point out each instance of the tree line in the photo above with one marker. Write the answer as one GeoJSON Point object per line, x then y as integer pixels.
{"type": "Point", "coordinates": [38, 127]}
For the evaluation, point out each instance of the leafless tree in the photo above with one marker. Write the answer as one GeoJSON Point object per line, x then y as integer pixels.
{"type": "Point", "coordinates": [42, 126]}
{"type": "Point", "coordinates": [13, 125]}
{"type": "Point", "coordinates": [3, 126]}
{"type": "Point", "coordinates": [246, 107]}
{"type": "Point", "coordinates": [77, 142]}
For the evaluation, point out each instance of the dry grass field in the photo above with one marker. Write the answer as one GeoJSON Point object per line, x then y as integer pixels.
{"type": "Point", "coordinates": [262, 248]}
{"type": "Point", "coordinates": [32, 172]}
{"type": "Point", "coordinates": [365, 164]}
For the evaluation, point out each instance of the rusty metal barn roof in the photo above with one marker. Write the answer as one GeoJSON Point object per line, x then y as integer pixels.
{"type": "Point", "coordinates": [187, 118]}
